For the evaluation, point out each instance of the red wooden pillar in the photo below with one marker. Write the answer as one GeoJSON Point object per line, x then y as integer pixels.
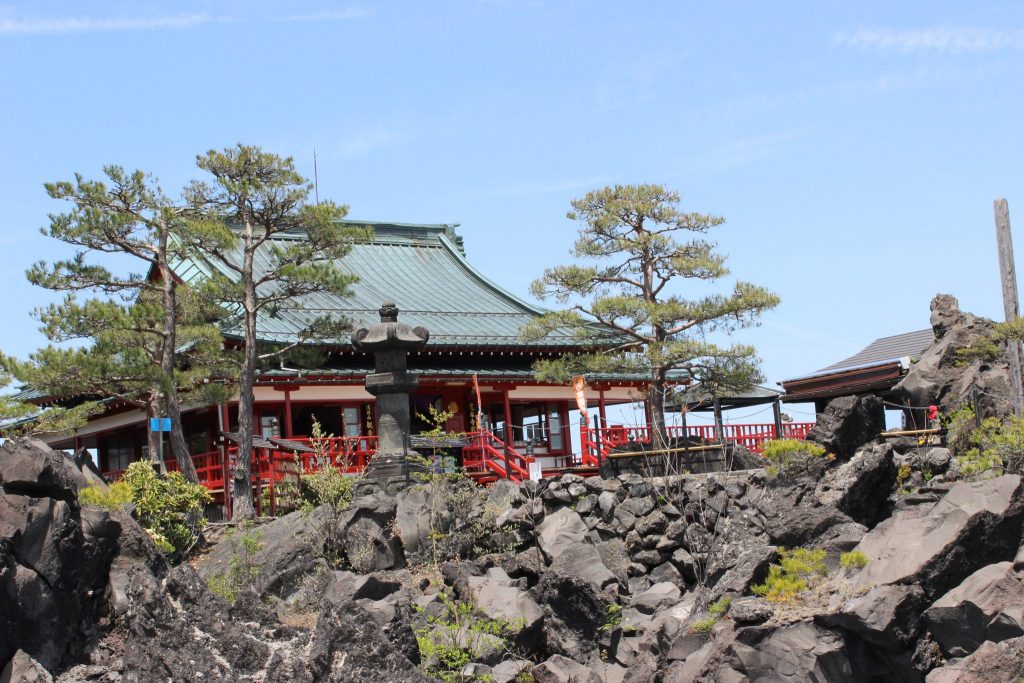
{"type": "Point", "coordinates": [601, 407]}
{"type": "Point", "coordinates": [509, 438]}
{"type": "Point", "coordinates": [225, 421]}
{"type": "Point", "coordinates": [288, 413]}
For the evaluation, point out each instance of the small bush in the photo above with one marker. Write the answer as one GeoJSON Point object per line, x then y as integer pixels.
{"type": "Point", "coordinates": [993, 449]}
{"type": "Point", "coordinates": [169, 508]}
{"type": "Point", "coordinates": [791, 456]}
{"type": "Point", "coordinates": [115, 497]}
{"type": "Point", "coordinates": [855, 559]}
{"type": "Point", "coordinates": [613, 618]}
{"type": "Point", "coordinates": [718, 608]}
{"type": "Point", "coordinates": [242, 572]}
{"type": "Point", "coordinates": [327, 486]}
{"type": "Point", "coordinates": [457, 637]}
{"type": "Point", "coordinates": [703, 625]}
{"type": "Point", "coordinates": [795, 572]}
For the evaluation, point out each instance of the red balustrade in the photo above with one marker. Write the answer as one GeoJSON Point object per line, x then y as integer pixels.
{"type": "Point", "coordinates": [486, 452]}
{"type": "Point", "coordinates": [486, 457]}
{"type": "Point", "coordinates": [751, 436]}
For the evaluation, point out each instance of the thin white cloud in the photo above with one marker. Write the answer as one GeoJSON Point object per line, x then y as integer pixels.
{"type": "Point", "coordinates": [934, 39]}
{"type": "Point", "coordinates": [745, 151]}
{"type": "Point", "coordinates": [31, 26]}
{"type": "Point", "coordinates": [331, 15]}
{"type": "Point", "coordinates": [63, 25]}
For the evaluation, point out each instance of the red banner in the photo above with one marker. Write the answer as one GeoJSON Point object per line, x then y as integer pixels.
{"type": "Point", "coordinates": [579, 385]}
{"type": "Point", "coordinates": [479, 404]}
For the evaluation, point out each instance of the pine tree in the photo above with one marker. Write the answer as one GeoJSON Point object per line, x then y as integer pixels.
{"type": "Point", "coordinates": [253, 198]}
{"type": "Point", "coordinates": [22, 418]}
{"type": "Point", "coordinates": [625, 309]}
{"type": "Point", "coordinates": [133, 334]}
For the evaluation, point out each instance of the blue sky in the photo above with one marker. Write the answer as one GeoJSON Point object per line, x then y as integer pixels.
{"type": "Point", "coordinates": [854, 148]}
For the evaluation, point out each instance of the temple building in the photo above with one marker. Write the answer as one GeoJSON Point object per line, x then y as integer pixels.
{"type": "Point", "coordinates": [474, 345]}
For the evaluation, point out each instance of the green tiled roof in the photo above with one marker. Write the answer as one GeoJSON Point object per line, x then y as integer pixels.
{"type": "Point", "coordinates": [484, 369]}
{"type": "Point", "coordinates": [423, 269]}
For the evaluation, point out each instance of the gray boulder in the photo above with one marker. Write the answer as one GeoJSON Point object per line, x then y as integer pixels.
{"type": "Point", "coordinates": [848, 423]}
{"type": "Point", "coordinates": [53, 569]}
{"type": "Point", "coordinates": [348, 645]}
{"type": "Point", "coordinates": [559, 669]}
{"type": "Point", "coordinates": [176, 629]}
{"type": "Point", "coordinates": [575, 601]}
{"type": "Point", "coordinates": [413, 513]}
{"type": "Point", "coordinates": [750, 610]}
{"type": "Point", "coordinates": [292, 548]}
{"type": "Point", "coordinates": [988, 605]}
{"type": "Point", "coordinates": [29, 467]}
{"type": "Point", "coordinates": [368, 535]}
{"type": "Point", "coordinates": [560, 530]}
{"type": "Point", "coordinates": [938, 547]}
{"type": "Point", "coordinates": [860, 486]}
{"type": "Point", "coordinates": [801, 651]}
{"type": "Point", "coordinates": [498, 597]}
{"type": "Point", "coordinates": [989, 663]}
{"type": "Point", "coordinates": [887, 617]}
{"type": "Point", "coordinates": [23, 669]}
{"type": "Point", "coordinates": [941, 377]}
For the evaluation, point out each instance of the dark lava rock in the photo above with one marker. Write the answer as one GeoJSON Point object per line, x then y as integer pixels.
{"type": "Point", "coordinates": [848, 423]}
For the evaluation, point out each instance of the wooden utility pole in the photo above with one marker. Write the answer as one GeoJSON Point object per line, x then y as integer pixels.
{"type": "Point", "coordinates": [1011, 309]}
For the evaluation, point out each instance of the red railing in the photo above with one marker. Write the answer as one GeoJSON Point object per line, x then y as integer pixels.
{"type": "Point", "coordinates": [487, 452]}
{"type": "Point", "coordinates": [751, 436]}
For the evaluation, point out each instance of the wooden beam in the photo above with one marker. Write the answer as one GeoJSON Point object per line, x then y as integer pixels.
{"type": "Point", "coordinates": [1011, 308]}
{"type": "Point", "coordinates": [777, 415]}
{"type": "Point", "coordinates": [719, 427]}
{"type": "Point", "coordinates": [509, 437]}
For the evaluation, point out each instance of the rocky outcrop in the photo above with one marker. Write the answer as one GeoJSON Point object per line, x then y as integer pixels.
{"type": "Point", "coordinates": [859, 487]}
{"type": "Point", "coordinates": [292, 547]}
{"type": "Point", "coordinates": [988, 605]}
{"type": "Point", "coordinates": [848, 423]}
{"type": "Point", "coordinates": [632, 579]}
{"type": "Point", "coordinates": [942, 377]}
{"type": "Point", "coordinates": [937, 547]}
{"type": "Point", "coordinates": [991, 662]}
{"type": "Point", "coordinates": [53, 565]}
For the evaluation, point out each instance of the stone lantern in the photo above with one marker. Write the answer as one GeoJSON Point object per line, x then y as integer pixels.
{"type": "Point", "coordinates": [390, 342]}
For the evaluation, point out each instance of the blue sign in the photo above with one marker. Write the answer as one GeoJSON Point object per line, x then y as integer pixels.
{"type": "Point", "coordinates": [159, 424]}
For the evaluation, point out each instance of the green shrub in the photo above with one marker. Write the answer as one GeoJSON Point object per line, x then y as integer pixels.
{"type": "Point", "coordinates": [855, 559]}
{"type": "Point", "coordinates": [902, 476]}
{"type": "Point", "coordinates": [613, 618]}
{"type": "Point", "coordinates": [703, 625]}
{"type": "Point", "coordinates": [796, 571]}
{"type": "Point", "coordinates": [718, 608]}
{"type": "Point", "coordinates": [791, 456]}
{"type": "Point", "coordinates": [169, 508]}
{"type": "Point", "coordinates": [115, 497]}
{"type": "Point", "coordinates": [327, 486]}
{"type": "Point", "coordinates": [987, 449]}
{"type": "Point", "coordinates": [242, 571]}
{"type": "Point", "coordinates": [457, 637]}
{"type": "Point", "coordinates": [715, 612]}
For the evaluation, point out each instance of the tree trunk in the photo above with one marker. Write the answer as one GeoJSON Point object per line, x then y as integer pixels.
{"type": "Point", "coordinates": [241, 499]}
{"type": "Point", "coordinates": [179, 446]}
{"type": "Point", "coordinates": [656, 401]}
{"type": "Point", "coordinates": [167, 362]}
{"type": "Point", "coordinates": [153, 438]}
